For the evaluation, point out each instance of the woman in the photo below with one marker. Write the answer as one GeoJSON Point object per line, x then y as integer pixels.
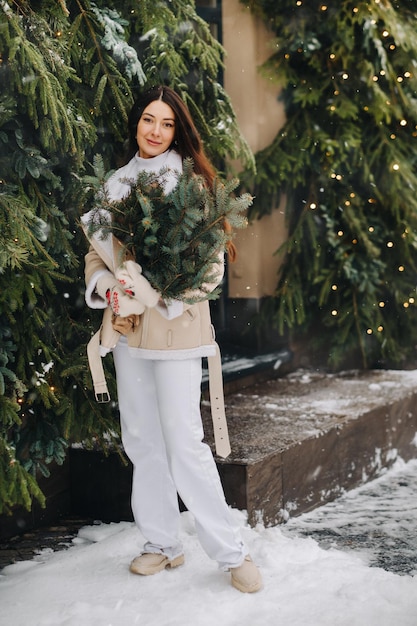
{"type": "Point", "coordinates": [158, 365]}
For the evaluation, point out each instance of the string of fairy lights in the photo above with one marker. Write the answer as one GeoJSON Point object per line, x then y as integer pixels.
{"type": "Point", "coordinates": [395, 167]}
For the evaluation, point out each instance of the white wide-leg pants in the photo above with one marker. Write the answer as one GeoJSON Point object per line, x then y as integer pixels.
{"type": "Point", "coordinates": [162, 432]}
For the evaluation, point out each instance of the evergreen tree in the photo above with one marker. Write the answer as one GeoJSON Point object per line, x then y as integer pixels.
{"type": "Point", "coordinates": [346, 161]}
{"type": "Point", "coordinates": [69, 72]}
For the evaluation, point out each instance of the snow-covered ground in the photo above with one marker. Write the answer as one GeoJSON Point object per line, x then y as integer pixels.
{"type": "Point", "coordinates": [377, 521]}
{"type": "Point", "coordinates": [329, 582]}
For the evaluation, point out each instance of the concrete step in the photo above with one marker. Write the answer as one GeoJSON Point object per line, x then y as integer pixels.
{"type": "Point", "coordinates": [298, 442]}
{"type": "Point", "coordinates": [302, 440]}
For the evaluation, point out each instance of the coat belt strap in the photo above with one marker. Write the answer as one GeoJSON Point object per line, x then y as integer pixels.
{"type": "Point", "coordinates": [218, 413]}
{"type": "Point", "coordinates": [96, 369]}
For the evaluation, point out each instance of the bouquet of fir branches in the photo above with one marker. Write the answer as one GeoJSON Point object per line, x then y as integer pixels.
{"type": "Point", "coordinates": [176, 237]}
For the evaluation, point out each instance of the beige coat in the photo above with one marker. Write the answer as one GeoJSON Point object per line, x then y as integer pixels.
{"type": "Point", "coordinates": [152, 335]}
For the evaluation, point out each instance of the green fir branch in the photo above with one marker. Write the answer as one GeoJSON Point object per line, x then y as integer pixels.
{"type": "Point", "coordinates": [175, 237]}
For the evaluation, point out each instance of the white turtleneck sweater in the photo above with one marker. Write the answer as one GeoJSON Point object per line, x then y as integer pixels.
{"type": "Point", "coordinates": [169, 162]}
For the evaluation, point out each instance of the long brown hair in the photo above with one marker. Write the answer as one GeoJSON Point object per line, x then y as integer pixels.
{"type": "Point", "coordinates": [187, 141]}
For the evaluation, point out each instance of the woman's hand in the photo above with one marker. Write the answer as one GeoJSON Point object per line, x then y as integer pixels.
{"type": "Point", "coordinates": [110, 289]}
{"type": "Point", "coordinates": [130, 276]}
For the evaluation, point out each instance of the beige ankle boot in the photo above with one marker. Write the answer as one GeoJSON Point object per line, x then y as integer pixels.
{"type": "Point", "coordinates": [247, 577]}
{"type": "Point", "coordinates": [150, 563]}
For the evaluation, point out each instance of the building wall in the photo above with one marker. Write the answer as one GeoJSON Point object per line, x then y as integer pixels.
{"type": "Point", "coordinates": [260, 116]}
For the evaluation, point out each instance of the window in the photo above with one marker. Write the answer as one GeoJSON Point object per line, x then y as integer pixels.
{"type": "Point", "coordinates": [211, 12]}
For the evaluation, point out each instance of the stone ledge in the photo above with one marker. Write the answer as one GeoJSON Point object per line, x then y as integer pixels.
{"type": "Point", "coordinates": [300, 441]}
{"type": "Point", "coordinates": [297, 442]}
